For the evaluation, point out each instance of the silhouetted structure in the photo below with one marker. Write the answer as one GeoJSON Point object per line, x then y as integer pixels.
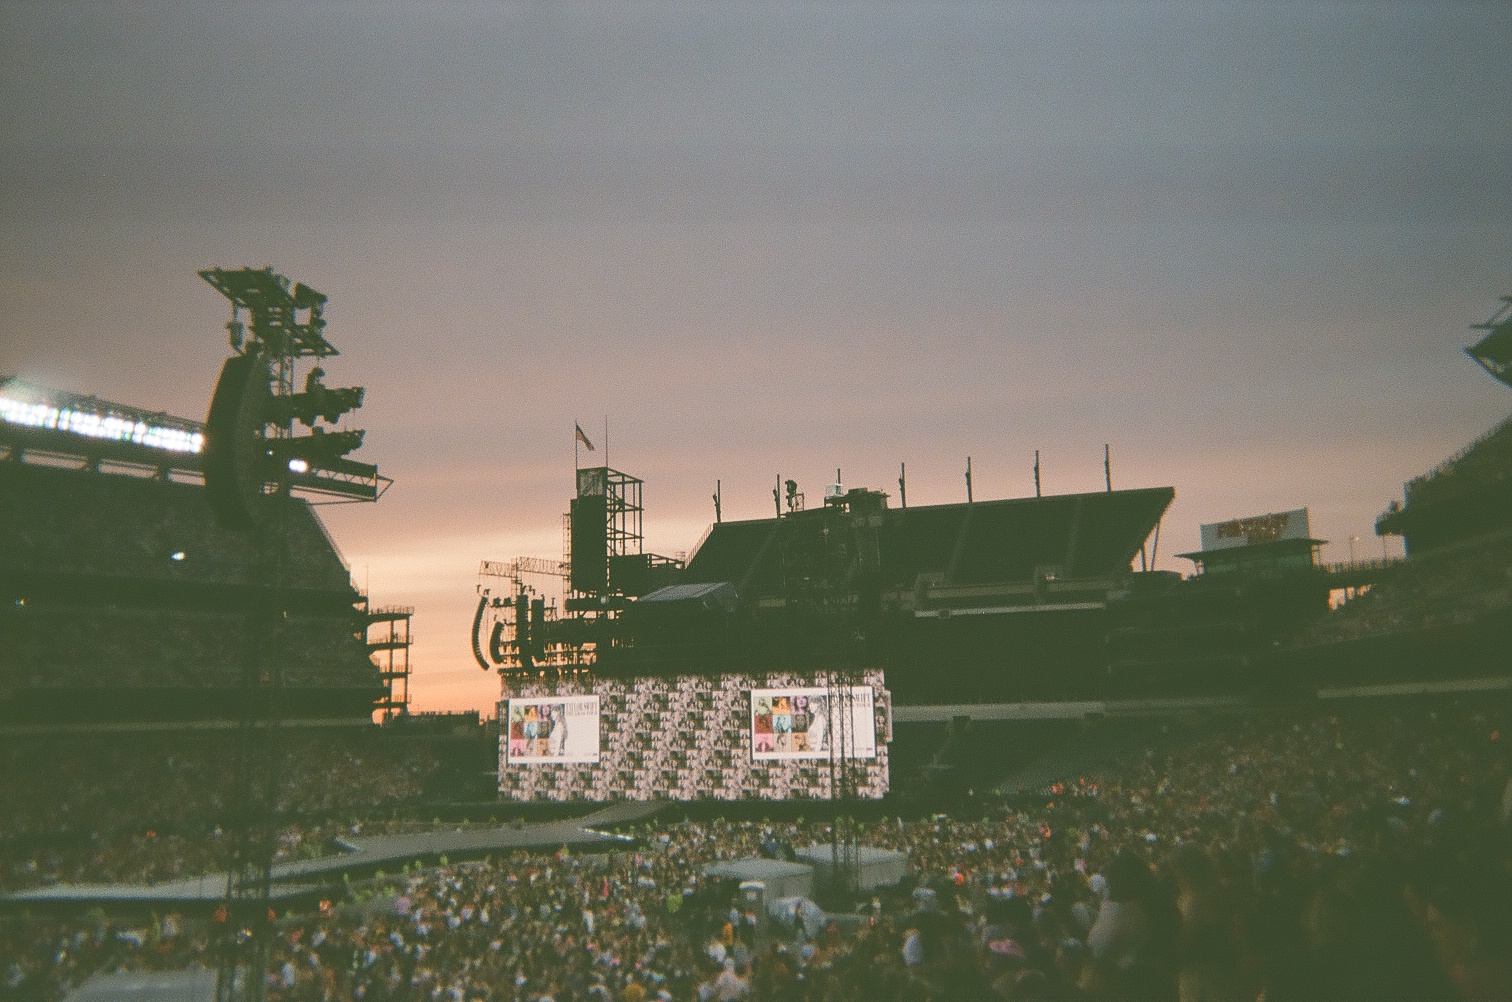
{"type": "Point", "coordinates": [1444, 611]}
{"type": "Point", "coordinates": [979, 602]}
{"type": "Point", "coordinates": [1467, 495]}
{"type": "Point", "coordinates": [991, 600]}
{"type": "Point", "coordinates": [123, 600]}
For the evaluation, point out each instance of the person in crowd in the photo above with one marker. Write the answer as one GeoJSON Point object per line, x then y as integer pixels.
{"type": "Point", "coordinates": [1357, 853]}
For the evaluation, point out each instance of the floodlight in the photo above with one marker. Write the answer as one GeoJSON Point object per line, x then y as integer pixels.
{"type": "Point", "coordinates": [107, 423]}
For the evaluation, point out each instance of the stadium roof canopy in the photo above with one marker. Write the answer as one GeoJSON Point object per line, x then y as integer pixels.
{"type": "Point", "coordinates": [986, 542]}
{"type": "Point", "coordinates": [708, 595]}
{"type": "Point", "coordinates": [1494, 351]}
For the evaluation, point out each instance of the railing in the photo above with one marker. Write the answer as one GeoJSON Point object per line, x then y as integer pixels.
{"type": "Point", "coordinates": [699, 545]}
{"type": "Point", "coordinates": [1447, 466]}
{"type": "Point", "coordinates": [1348, 566]}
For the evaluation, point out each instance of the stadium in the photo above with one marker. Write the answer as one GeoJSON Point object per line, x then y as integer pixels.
{"type": "Point", "coordinates": [856, 750]}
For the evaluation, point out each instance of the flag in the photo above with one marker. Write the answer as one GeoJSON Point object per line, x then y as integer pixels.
{"type": "Point", "coordinates": [581, 437]}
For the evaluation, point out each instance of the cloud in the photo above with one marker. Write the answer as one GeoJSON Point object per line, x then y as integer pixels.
{"type": "Point", "coordinates": [1239, 242]}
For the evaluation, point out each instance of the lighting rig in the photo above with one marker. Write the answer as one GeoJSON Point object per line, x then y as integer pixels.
{"type": "Point", "coordinates": [526, 637]}
{"type": "Point", "coordinates": [509, 633]}
{"type": "Point", "coordinates": [266, 438]}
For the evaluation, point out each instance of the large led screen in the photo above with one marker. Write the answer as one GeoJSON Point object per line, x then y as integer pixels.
{"type": "Point", "coordinates": [689, 737]}
{"type": "Point", "coordinates": [813, 723]}
{"type": "Point", "coordinates": [553, 729]}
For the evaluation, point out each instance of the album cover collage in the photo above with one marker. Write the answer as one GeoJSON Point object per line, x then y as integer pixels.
{"type": "Point", "coordinates": [557, 729]}
{"type": "Point", "coordinates": [793, 723]}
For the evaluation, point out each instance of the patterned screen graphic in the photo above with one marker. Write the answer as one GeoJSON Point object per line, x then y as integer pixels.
{"type": "Point", "coordinates": [692, 738]}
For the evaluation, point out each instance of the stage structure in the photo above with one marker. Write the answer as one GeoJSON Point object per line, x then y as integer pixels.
{"type": "Point", "coordinates": [809, 735]}
{"type": "Point", "coordinates": [389, 648]}
{"type": "Point", "coordinates": [512, 595]}
{"type": "Point", "coordinates": [254, 446]}
{"type": "Point", "coordinates": [964, 606]}
{"type": "Point", "coordinates": [539, 618]}
{"type": "Point", "coordinates": [268, 439]}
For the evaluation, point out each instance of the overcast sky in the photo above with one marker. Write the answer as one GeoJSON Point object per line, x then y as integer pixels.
{"type": "Point", "coordinates": [1241, 243]}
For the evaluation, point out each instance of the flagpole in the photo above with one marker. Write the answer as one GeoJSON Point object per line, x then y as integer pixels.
{"type": "Point", "coordinates": [606, 441]}
{"type": "Point", "coordinates": [574, 450]}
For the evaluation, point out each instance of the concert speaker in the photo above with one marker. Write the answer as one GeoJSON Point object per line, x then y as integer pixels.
{"type": "Point", "coordinates": [590, 543]}
{"type": "Point", "coordinates": [496, 643]}
{"type": "Point", "coordinates": [236, 455]}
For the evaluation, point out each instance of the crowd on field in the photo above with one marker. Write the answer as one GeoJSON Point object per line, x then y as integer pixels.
{"type": "Point", "coordinates": [1327, 853]}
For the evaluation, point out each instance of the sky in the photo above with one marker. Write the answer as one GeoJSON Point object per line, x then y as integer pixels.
{"type": "Point", "coordinates": [1240, 243]}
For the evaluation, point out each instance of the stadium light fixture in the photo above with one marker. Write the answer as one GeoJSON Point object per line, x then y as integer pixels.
{"type": "Point", "coordinates": [91, 423]}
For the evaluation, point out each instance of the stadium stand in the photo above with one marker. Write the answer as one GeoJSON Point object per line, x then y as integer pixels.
{"type": "Point", "coordinates": [1447, 603]}
{"type": "Point", "coordinates": [125, 530]}
{"type": "Point", "coordinates": [1356, 850]}
{"type": "Point", "coordinates": [981, 543]}
{"type": "Point", "coordinates": [1265, 623]}
{"type": "Point", "coordinates": [1465, 496]}
{"type": "Point", "coordinates": [1453, 585]}
{"type": "Point", "coordinates": [122, 599]}
{"type": "Point", "coordinates": [1210, 633]}
{"type": "Point", "coordinates": [993, 600]}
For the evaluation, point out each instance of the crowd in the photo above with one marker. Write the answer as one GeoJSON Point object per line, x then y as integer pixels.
{"type": "Point", "coordinates": [1350, 852]}
{"type": "Point", "coordinates": [106, 529]}
{"type": "Point", "coordinates": [1479, 465]}
{"type": "Point", "coordinates": [64, 646]}
{"type": "Point", "coordinates": [147, 807]}
{"type": "Point", "coordinates": [1453, 586]}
